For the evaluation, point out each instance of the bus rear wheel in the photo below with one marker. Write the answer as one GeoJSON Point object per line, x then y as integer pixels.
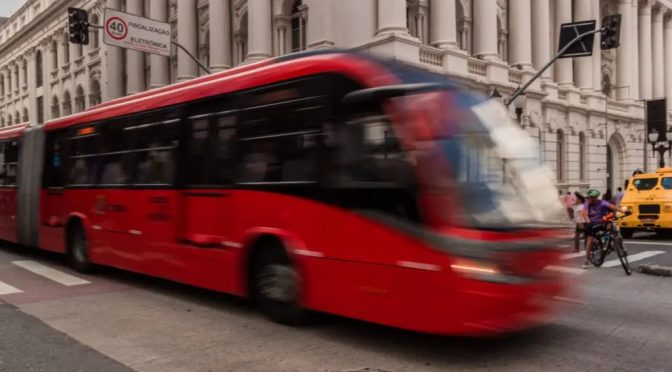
{"type": "Point", "coordinates": [78, 249]}
{"type": "Point", "coordinates": [276, 286]}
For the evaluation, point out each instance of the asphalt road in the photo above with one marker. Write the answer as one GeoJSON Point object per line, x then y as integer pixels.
{"type": "Point", "coordinates": [78, 322]}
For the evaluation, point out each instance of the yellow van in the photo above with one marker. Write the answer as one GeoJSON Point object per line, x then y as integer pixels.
{"type": "Point", "coordinates": [649, 198]}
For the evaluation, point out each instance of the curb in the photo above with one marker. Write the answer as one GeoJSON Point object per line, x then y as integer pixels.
{"type": "Point", "coordinates": [651, 269]}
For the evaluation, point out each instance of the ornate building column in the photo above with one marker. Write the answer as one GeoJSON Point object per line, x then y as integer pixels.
{"type": "Point", "coordinates": [220, 35]}
{"type": "Point", "coordinates": [583, 11]}
{"type": "Point", "coordinates": [541, 35]}
{"type": "Point", "coordinates": [520, 33]}
{"type": "Point", "coordinates": [444, 19]}
{"type": "Point", "coordinates": [668, 59]}
{"type": "Point", "coordinates": [658, 53]}
{"type": "Point", "coordinates": [135, 61]}
{"type": "Point", "coordinates": [634, 50]}
{"type": "Point", "coordinates": [624, 52]}
{"type": "Point", "coordinates": [260, 35]}
{"type": "Point", "coordinates": [115, 65]}
{"type": "Point", "coordinates": [159, 73]}
{"type": "Point", "coordinates": [597, 51]}
{"type": "Point", "coordinates": [645, 53]}
{"type": "Point", "coordinates": [187, 36]}
{"type": "Point", "coordinates": [564, 73]}
{"type": "Point", "coordinates": [485, 29]}
{"type": "Point", "coordinates": [392, 17]}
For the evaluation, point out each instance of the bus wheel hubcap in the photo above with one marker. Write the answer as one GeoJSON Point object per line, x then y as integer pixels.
{"type": "Point", "coordinates": [278, 283]}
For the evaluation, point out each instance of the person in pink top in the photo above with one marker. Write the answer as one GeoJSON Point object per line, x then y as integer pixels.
{"type": "Point", "coordinates": [568, 201]}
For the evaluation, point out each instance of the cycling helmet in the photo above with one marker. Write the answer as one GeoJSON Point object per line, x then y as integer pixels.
{"type": "Point", "coordinates": [593, 193]}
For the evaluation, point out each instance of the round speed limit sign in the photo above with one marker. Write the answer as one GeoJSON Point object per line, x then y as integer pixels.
{"type": "Point", "coordinates": [116, 28]}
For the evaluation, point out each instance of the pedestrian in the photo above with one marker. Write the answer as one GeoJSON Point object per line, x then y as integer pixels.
{"type": "Point", "coordinates": [581, 221]}
{"type": "Point", "coordinates": [618, 197]}
{"type": "Point", "coordinates": [608, 197]}
{"type": "Point", "coordinates": [568, 201]}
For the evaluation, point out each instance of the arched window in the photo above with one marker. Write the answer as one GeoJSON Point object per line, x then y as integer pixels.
{"type": "Point", "coordinates": [606, 86]}
{"type": "Point", "coordinates": [417, 17]}
{"type": "Point", "coordinates": [25, 118]}
{"type": "Point", "coordinates": [2, 121]}
{"type": "Point", "coordinates": [67, 104]}
{"type": "Point", "coordinates": [55, 108]}
{"type": "Point", "coordinates": [502, 39]}
{"type": "Point", "coordinates": [95, 97]}
{"type": "Point", "coordinates": [560, 155]}
{"type": "Point", "coordinates": [240, 41]}
{"type": "Point", "coordinates": [17, 118]}
{"type": "Point", "coordinates": [38, 69]}
{"type": "Point", "coordinates": [463, 28]}
{"type": "Point", "coordinates": [582, 156]}
{"type": "Point", "coordinates": [9, 83]}
{"type": "Point", "coordinates": [66, 49]}
{"type": "Point", "coordinates": [299, 15]}
{"type": "Point", "coordinates": [16, 77]}
{"type": "Point", "coordinates": [54, 55]}
{"type": "Point", "coordinates": [2, 85]}
{"type": "Point", "coordinates": [80, 102]}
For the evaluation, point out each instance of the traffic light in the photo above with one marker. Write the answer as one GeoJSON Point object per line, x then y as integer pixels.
{"type": "Point", "coordinates": [78, 26]}
{"type": "Point", "coordinates": [611, 32]}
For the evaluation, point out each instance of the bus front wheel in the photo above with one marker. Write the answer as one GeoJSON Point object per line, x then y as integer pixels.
{"type": "Point", "coordinates": [78, 249]}
{"type": "Point", "coordinates": [276, 285]}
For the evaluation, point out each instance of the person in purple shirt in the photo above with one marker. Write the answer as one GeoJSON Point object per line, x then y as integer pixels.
{"type": "Point", "coordinates": [596, 212]}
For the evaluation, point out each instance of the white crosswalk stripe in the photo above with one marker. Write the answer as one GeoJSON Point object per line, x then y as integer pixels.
{"type": "Point", "coordinates": [6, 289]}
{"type": "Point", "coordinates": [569, 256]}
{"type": "Point", "coordinates": [633, 258]}
{"type": "Point", "coordinates": [51, 274]}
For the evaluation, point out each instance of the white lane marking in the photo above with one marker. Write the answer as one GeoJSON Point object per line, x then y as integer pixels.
{"type": "Point", "coordinates": [49, 273]}
{"type": "Point", "coordinates": [569, 256]}
{"type": "Point", "coordinates": [6, 289]}
{"type": "Point", "coordinates": [565, 269]}
{"type": "Point", "coordinates": [635, 242]}
{"type": "Point", "coordinates": [570, 300]}
{"type": "Point", "coordinates": [419, 265]}
{"type": "Point", "coordinates": [308, 253]}
{"type": "Point", "coordinates": [633, 258]}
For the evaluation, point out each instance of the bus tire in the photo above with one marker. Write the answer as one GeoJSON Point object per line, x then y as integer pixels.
{"type": "Point", "coordinates": [78, 251]}
{"type": "Point", "coordinates": [626, 233]}
{"type": "Point", "coordinates": [275, 285]}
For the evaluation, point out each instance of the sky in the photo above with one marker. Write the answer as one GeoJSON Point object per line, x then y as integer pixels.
{"type": "Point", "coordinates": [7, 7]}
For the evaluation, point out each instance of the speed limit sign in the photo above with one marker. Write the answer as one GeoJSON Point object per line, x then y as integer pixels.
{"type": "Point", "coordinates": [116, 28]}
{"type": "Point", "coordinates": [132, 32]}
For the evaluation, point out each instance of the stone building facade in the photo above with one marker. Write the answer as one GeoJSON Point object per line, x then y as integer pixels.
{"type": "Point", "coordinates": [587, 114]}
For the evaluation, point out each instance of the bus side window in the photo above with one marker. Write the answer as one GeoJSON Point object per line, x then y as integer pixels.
{"type": "Point", "coordinates": [3, 169]}
{"type": "Point", "coordinates": [53, 174]}
{"type": "Point", "coordinates": [155, 153]}
{"type": "Point", "coordinates": [83, 163]}
{"type": "Point", "coordinates": [11, 161]}
{"type": "Point", "coordinates": [211, 145]}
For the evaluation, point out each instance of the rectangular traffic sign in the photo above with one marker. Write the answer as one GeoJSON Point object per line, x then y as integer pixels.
{"type": "Point", "coordinates": [583, 47]}
{"type": "Point", "coordinates": [132, 32]}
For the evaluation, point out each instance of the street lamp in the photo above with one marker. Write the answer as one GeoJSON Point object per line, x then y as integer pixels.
{"type": "Point", "coordinates": [654, 137]}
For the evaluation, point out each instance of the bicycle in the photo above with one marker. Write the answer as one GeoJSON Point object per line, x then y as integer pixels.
{"type": "Point", "coordinates": [608, 240]}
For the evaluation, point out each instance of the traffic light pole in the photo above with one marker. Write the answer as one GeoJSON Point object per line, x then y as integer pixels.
{"type": "Point", "coordinates": [520, 90]}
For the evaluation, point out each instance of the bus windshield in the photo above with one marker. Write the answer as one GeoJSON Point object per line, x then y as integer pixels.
{"type": "Point", "coordinates": [495, 168]}
{"type": "Point", "coordinates": [645, 183]}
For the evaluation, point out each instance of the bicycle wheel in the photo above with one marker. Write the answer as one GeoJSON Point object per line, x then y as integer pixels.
{"type": "Point", "coordinates": [597, 255]}
{"type": "Point", "coordinates": [623, 256]}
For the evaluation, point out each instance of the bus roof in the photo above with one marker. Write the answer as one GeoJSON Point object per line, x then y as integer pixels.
{"type": "Point", "coordinates": [368, 70]}
{"type": "Point", "coordinates": [13, 131]}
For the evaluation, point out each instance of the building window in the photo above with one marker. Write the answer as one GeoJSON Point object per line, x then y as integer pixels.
{"type": "Point", "coordinates": [55, 108]}
{"type": "Point", "coordinates": [80, 103]}
{"type": "Point", "coordinates": [67, 104]}
{"type": "Point", "coordinates": [24, 69]}
{"type": "Point", "coordinates": [240, 41]}
{"type": "Point", "coordinates": [95, 97]}
{"type": "Point", "coordinates": [560, 155]}
{"type": "Point", "coordinates": [2, 85]}
{"type": "Point", "coordinates": [17, 118]}
{"type": "Point", "coordinates": [416, 20]}
{"type": "Point", "coordinates": [66, 49]}
{"type": "Point", "coordinates": [95, 43]}
{"type": "Point", "coordinates": [502, 41]}
{"type": "Point", "coordinates": [299, 15]}
{"type": "Point", "coordinates": [54, 54]}
{"type": "Point", "coordinates": [582, 156]}
{"type": "Point", "coordinates": [40, 110]}
{"type": "Point", "coordinates": [38, 69]}
{"type": "Point", "coordinates": [25, 117]}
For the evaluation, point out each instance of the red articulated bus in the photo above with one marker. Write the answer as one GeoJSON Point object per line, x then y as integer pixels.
{"type": "Point", "coordinates": [331, 182]}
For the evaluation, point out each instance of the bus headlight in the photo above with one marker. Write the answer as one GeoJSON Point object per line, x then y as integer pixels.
{"type": "Point", "coordinates": [481, 270]}
{"type": "Point", "coordinates": [667, 208]}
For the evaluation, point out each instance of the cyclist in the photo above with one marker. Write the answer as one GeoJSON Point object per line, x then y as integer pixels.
{"type": "Point", "coordinates": [597, 212]}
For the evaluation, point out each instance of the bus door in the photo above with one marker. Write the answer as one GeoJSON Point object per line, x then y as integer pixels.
{"type": "Point", "coordinates": [54, 210]}
{"type": "Point", "coordinates": [8, 192]}
{"type": "Point", "coordinates": [207, 218]}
